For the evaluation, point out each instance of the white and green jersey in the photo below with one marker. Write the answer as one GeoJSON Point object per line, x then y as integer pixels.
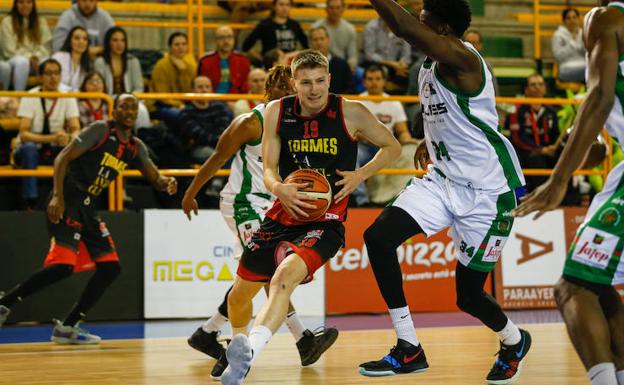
{"type": "Point", "coordinates": [462, 133]}
{"type": "Point", "coordinates": [246, 182]}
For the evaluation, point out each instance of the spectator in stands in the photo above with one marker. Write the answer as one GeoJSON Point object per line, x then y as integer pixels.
{"type": "Point", "coordinates": [534, 131]}
{"type": "Point", "coordinates": [202, 122]}
{"type": "Point", "coordinates": [341, 76]}
{"type": "Point", "coordinates": [88, 15]}
{"type": "Point", "coordinates": [341, 33]}
{"type": "Point", "coordinates": [276, 31]}
{"type": "Point", "coordinates": [390, 113]}
{"type": "Point", "coordinates": [25, 40]}
{"type": "Point", "coordinates": [92, 109]}
{"type": "Point", "coordinates": [46, 126]}
{"type": "Point", "coordinates": [383, 47]}
{"type": "Point", "coordinates": [227, 69]}
{"type": "Point", "coordinates": [568, 47]}
{"type": "Point", "coordinates": [275, 57]}
{"type": "Point", "coordinates": [257, 79]}
{"type": "Point", "coordinates": [121, 71]}
{"type": "Point", "coordinates": [174, 73]}
{"type": "Point", "coordinates": [74, 58]}
{"type": "Point", "coordinates": [474, 37]}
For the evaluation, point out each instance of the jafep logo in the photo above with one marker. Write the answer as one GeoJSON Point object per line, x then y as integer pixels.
{"type": "Point", "coordinates": [170, 270]}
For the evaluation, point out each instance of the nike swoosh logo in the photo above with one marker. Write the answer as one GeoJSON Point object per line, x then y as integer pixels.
{"type": "Point", "coordinates": [407, 359]}
{"type": "Point", "coordinates": [519, 354]}
{"type": "Point", "coordinates": [405, 316]}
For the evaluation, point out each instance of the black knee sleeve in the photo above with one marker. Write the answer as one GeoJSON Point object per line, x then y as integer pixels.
{"type": "Point", "coordinates": [472, 299]}
{"type": "Point", "coordinates": [61, 271]}
{"type": "Point", "coordinates": [382, 238]}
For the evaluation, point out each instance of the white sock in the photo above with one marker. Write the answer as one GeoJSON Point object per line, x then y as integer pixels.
{"type": "Point", "coordinates": [214, 323]}
{"type": "Point", "coordinates": [403, 324]}
{"type": "Point", "coordinates": [620, 377]}
{"type": "Point", "coordinates": [259, 337]}
{"type": "Point", "coordinates": [510, 335]}
{"type": "Point", "coordinates": [295, 325]}
{"type": "Point", "coordinates": [602, 374]}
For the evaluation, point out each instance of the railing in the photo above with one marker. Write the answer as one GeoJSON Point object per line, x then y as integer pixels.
{"type": "Point", "coordinates": [115, 198]}
{"type": "Point", "coordinates": [538, 20]}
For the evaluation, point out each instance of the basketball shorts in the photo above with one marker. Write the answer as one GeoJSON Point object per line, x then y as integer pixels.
{"type": "Point", "coordinates": [80, 238]}
{"type": "Point", "coordinates": [479, 221]}
{"type": "Point", "coordinates": [596, 252]}
{"type": "Point", "coordinates": [243, 218]}
{"type": "Point", "coordinates": [315, 243]}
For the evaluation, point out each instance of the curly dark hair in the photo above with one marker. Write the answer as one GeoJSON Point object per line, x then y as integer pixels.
{"type": "Point", "coordinates": [278, 74]}
{"type": "Point", "coordinates": [455, 13]}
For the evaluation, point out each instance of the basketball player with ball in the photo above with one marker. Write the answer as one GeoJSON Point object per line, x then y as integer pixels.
{"type": "Point", "coordinates": [309, 149]}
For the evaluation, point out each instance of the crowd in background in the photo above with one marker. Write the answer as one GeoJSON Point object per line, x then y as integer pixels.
{"type": "Point", "coordinates": [87, 52]}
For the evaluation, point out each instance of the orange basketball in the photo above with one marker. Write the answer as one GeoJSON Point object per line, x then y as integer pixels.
{"type": "Point", "coordinates": [318, 188]}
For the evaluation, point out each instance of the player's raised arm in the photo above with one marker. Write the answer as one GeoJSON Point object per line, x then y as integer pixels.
{"type": "Point", "coordinates": [288, 194]}
{"type": "Point", "coordinates": [243, 129]}
{"type": "Point", "coordinates": [442, 45]}
{"type": "Point", "coordinates": [364, 125]}
{"type": "Point", "coordinates": [602, 44]}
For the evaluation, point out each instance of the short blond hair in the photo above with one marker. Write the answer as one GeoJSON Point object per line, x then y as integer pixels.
{"type": "Point", "coordinates": [309, 59]}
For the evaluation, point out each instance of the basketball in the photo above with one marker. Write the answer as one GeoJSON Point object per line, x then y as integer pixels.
{"type": "Point", "coordinates": [318, 188]}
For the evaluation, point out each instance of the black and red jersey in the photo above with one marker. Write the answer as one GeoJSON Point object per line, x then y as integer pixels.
{"type": "Point", "coordinates": [320, 142]}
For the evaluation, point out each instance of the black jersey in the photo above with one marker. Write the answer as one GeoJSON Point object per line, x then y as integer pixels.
{"type": "Point", "coordinates": [320, 142]}
{"type": "Point", "coordinates": [106, 156]}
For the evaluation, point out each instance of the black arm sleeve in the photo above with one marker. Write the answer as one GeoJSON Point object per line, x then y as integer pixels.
{"type": "Point", "coordinates": [253, 37]}
{"type": "Point", "coordinates": [301, 36]}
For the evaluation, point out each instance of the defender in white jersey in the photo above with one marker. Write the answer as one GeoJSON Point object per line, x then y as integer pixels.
{"type": "Point", "coordinates": [471, 187]}
{"type": "Point", "coordinates": [590, 305]}
{"type": "Point", "coordinates": [244, 201]}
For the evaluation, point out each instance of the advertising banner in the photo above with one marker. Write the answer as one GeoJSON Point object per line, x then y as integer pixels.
{"type": "Point", "coordinates": [189, 266]}
{"type": "Point", "coordinates": [428, 267]}
{"type": "Point", "coordinates": [534, 256]}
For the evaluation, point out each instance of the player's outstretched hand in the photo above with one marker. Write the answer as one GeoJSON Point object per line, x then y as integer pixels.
{"type": "Point", "coordinates": [56, 207]}
{"type": "Point", "coordinates": [171, 186]}
{"type": "Point", "coordinates": [544, 198]}
{"type": "Point", "coordinates": [292, 199]}
{"type": "Point", "coordinates": [189, 203]}
{"type": "Point", "coordinates": [349, 182]}
{"type": "Point", "coordinates": [421, 156]}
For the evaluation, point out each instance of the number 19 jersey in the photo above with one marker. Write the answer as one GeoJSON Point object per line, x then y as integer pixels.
{"type": "Point", "coordinates": [462, 135]}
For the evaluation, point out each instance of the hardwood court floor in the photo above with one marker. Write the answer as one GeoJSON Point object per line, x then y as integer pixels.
{"type": "Point", "coordinates": [457, 355]}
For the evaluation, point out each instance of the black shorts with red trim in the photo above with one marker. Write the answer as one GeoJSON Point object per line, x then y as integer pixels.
{"type": "Point", "coordinates": [315, 243]}
{"type": "Point", "coordinates": [80, 238]}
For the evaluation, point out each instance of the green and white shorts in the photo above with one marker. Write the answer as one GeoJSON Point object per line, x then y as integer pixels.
{"type": "Point", "coordinates": [479, 221]}
{"type": "Point", "coordinates": [596, 253]}
{"type": "Point", "coordinates": [244, 216]}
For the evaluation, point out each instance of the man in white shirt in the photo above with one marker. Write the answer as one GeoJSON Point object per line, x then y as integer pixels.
{"type": "Point", "coordinates": [46, 126]}
{"type": "Point", "coordinates": [390, 113]}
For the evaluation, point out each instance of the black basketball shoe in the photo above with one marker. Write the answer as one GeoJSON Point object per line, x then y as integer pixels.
{"type": "Point", "coordinates": [403, 358]}
{"type": "Point", "coordinates": [509, 362]}
{"type": "Point", "coordinates": [219, 367]}
{"type": "Point", "coordinates": [312, 345]}
{"type": "Point", "coordinates": [206, 343]}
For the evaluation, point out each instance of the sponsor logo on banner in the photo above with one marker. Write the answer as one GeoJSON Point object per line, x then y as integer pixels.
{"type": "Point", "coordinates": [189, 266]}
{"type": "Point", "coordinates": [428, 267]}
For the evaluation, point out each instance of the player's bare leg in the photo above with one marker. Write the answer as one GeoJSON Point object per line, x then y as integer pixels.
{"type": "Point", "coordinates": [614, 309]}
{"type": "Point", "coordinates": [588, 330]}
{"type": "Point", "coordinates": [243, 350]}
